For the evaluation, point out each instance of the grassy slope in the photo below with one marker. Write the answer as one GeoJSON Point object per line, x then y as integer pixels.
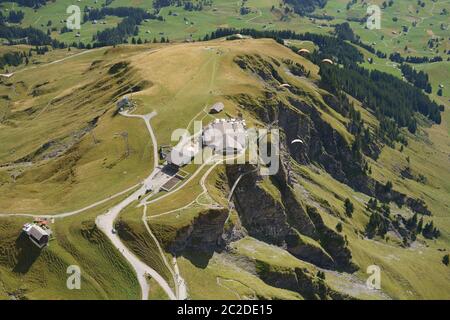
{"type": "Point", "coordinates": [222, 279]}
{"type": "Point", "coordinates": [405, 272]}
{"type": "Point", "coordinates": [99, 167]}
{"type": "Point", "coordinates": [428, 24]}
{"type": "Point", "coordinates": [141, 243]}
{"type": "Point", "coordinates": [27, 273]}
{"type": "Point", "coordinates": [210, 77]}
{"type": "Point", "coordinates": [364, 253]}
{"type": "Point", "coordinates": [438, 73]}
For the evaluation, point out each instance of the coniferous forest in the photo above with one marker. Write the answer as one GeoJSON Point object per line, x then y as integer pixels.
{"type": "Point", "coordinates": [386, 95]}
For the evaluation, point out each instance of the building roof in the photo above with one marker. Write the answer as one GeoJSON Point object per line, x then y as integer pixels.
{"type": "Point", "coordinates": [217, 107]}
{"type": "Point", "coordinates": [227, 144]}
{"type": "Point", "coordinates": [183, 153]}
{"type": "Point", "coordinates": [178, 158]}
{"type": "Point", "coordinates": [26, 227]}
{"type": "Point", "coordinates": [225, 136]}
{"type": "Point", "coordinates": [38, 235]}
{"type": "Point", "coordinates": [123, 102]}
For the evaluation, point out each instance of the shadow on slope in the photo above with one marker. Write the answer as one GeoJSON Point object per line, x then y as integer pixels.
{"type": "Point", "coordinates": [28, 253]}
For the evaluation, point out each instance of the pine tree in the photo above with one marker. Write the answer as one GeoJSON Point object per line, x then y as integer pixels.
{"type": "Point", "coordinates": [349, 208]}
{"type": "Point", "coordinates": [321, 275]}
{"type": "Point", "coordinates": [445, 259]}
{"type": "Point", "coordinates": [420, 226]}
{"type": "Point", "coordinates": [388, 187]}
{"type": "Point", "coordinates": [411, 224]}
{"type": "Point", "coordinates": [430, 232]}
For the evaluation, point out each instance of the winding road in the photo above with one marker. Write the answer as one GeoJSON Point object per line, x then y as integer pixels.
{"type": "Point", "coordinates": [105, 223]}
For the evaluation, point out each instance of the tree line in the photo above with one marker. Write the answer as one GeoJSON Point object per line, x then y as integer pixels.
{"type": "Point", "coordinates": [17, 58]}
{"type": "Point", "coordinates": [11, 59]}
{"type": "Point", "coordinates": [29, 35]}
{"type": "Point", "coordinates": [138, 14]}
{"type": "Point", "coordinates": [188, 5]}
{"type": "Point", "coordinates": [380, 223]}
{"type": "Point", "coordinates": [396, 57]}
{"type": "Point", "coordinates": [119, 34]}
{"type": "Point", "coordinates": [27, 3]}
{"type": "Point", "coordinates": [13, 17]}
{"type": "Point", "coordinates": [303, 7]}
{"type": "Point", "coordinates": [330, 47]}
{"type": "Point", "coordinates": [344, 32]}
{"type": "Point", "coordinates": [387, 95]}
{"type": "Point", "coordinates": [418, 79]}
{"type": "Point", "coordinates": [129, 26]}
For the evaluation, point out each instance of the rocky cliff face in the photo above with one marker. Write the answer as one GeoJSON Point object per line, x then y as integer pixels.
{"type": "Point", "coordinates": [322, 144]}
{"type": "Point", "coordinates": [204, 234]}
{"type": "Point", "coordinates": [282, 220]}
{"type": "Point", "coordinates": [299, 280]}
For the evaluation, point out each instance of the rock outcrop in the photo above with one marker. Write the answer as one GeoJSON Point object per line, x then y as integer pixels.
{"type": "Point", "coordinates": [204, 234]}
{"type": "Point", "coordinates": [300, 280]}
{"type": "Point", "coordinates": [281, 219]}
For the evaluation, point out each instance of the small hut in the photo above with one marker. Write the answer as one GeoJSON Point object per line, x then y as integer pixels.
{"type": "Point", "coordinates": [124, 103]}
{"type": "Point", "coordinates": [217, 108]}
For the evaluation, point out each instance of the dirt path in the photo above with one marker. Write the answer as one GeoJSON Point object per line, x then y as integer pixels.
{"type": "Point", "coordinates": [71, 213]}
{"type": "Point", "coordinates": [147, 119]}
{"type": "Point", "coordinates": [105, 223]}
{"type": "Point", "coordinates": [180, 284]}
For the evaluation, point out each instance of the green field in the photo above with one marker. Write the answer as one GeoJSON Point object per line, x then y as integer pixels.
{"type": "Point", "coordinates": [183, 25]}
{"type": "Point", "coordinates": [223, 13]}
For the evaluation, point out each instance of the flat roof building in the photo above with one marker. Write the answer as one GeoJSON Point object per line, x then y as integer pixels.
{"type": "Point", "coordinates": [226, 136]}
{"type": "Point", "coordinates": [183, 153]}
